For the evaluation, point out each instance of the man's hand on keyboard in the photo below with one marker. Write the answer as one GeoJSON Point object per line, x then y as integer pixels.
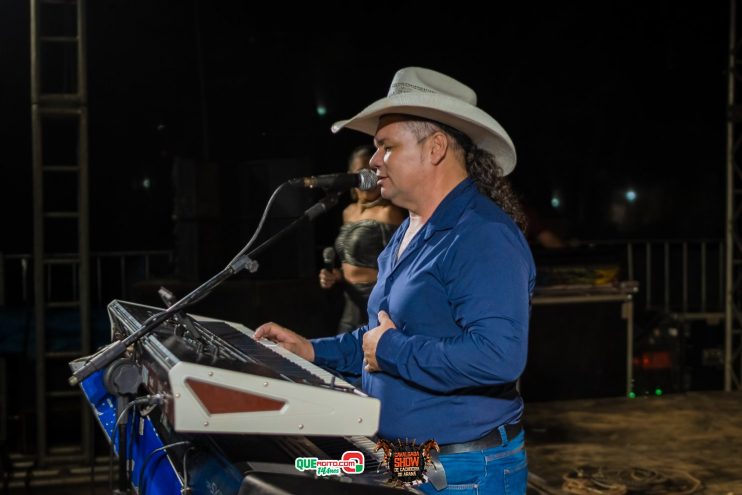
{"type": "Point", "coordinates": [287, 339]}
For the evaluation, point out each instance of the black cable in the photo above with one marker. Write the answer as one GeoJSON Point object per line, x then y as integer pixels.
{"type": "Point", "coordinates": [142, 470]}
{"type": "Point", "coordinates": [103, 357]}
{"type": "Point", "coordinates": [110, 463]}
{"type": "Point", "coordinates": [132, 437]}
{"type": "Point", "coordinates": [91, 427]}
{"type": "Point", "coordinates": [186, 489]}
{"type": "Point", "coordinates": [157, 399]}
{"type": "Point", "coordinates": [142, 480]}
{"type": "Point", "coordinates": [254, 237]}
{"type": "Point", "coordinates": [147, 399]}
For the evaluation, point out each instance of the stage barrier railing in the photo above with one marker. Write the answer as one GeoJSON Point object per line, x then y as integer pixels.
{"type": "Point", "coordinates": [683, 278]}
{"type": "Point", "coordinates": [113, 273]}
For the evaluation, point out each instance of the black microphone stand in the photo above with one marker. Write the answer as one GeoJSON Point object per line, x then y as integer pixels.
{"type": "Point", "coordinates": [122, 379]}
{"type": "Point", "coordinates": [87, 366]}
{"type": "Point", "coordinates": [310, 214]}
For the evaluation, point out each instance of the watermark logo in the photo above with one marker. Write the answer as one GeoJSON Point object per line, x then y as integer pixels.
{"type": "Point", "coordinates": [406, 461]}
{"type": "Point", "coordinates": [352, 462]}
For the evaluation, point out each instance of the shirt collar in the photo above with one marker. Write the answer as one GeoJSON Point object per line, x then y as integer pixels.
{"type": "Point", "coordinates": [449, 210]}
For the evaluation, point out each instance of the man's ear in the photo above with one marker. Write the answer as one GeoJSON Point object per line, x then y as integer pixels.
{"type": "Point", "coordinates": [438, 147]}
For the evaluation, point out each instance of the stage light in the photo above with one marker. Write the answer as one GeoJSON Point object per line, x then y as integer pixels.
{"type": "Point", "coordinates": [146, 183]}
{"type": "Point", "coordinates": [321, 110]}
{"type": "Point", "coordinates": [630, 195]}
{"type": "Point", "coordinates": [658, 392]}
{"type": "Point", "coordinates": [555, 202]}
{"type": "Point", "coordinates": [632, 395]}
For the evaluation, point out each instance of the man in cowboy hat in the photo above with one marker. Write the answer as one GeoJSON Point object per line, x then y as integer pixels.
{"type": "Point", "coordinates": [448, 319]}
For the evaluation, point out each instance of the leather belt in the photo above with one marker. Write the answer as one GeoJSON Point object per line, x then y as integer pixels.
{"type": "Point", "coordinates": [490, 440]}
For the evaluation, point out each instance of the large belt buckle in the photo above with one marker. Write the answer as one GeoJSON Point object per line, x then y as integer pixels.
{"type": "Point", "coordinates": [436, 476]}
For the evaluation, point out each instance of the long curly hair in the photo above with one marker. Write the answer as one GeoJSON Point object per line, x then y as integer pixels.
{"type": "Point", "coordinates": [481, 166]}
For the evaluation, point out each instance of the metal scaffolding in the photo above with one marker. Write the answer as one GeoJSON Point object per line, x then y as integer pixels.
{"type": "Point", "coordinates": [733, 316]}
{"type": "Point", "coordinates": [59, 118]}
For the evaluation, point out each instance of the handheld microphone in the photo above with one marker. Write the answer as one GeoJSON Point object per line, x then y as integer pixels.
{"type": "Point", "coordinates": [328, 257]}
{"type": "Point", "coordinates": [365, 180]}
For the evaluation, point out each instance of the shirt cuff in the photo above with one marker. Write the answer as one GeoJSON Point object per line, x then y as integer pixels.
{"type": "Point", "coordinates": [325, 351]}
{"type": "Point", "coordinates": [388, 350]}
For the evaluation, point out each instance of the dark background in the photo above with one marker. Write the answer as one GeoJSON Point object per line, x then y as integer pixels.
{"type": "Point", "coordinates": [597, 98]}
{"type": "Point", "coordinates": [199, 109]}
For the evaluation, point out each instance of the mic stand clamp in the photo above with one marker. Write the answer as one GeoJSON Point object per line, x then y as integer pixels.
{"type": "Point", "coordinates": [243, 262]}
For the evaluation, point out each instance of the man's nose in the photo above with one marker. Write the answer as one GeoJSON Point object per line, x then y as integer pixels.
{"type": "Point", "coordinates": [375, 162]}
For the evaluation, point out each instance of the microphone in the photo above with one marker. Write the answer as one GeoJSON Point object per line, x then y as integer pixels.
{"type": "Point", "coordinates": [365, 180]}
{"type": "Point", "coordinates": [328, 257]}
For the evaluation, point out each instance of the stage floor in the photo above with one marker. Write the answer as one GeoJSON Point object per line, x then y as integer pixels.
{"type": "Point", "coordinates": [697, 433]}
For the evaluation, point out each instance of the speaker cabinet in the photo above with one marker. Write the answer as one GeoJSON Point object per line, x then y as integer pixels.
{"type": "Point", "coordinates": [576, 351]}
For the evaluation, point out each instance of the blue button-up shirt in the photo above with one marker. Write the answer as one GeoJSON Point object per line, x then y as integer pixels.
{"type": "Point", "coordinates": [459, 296]}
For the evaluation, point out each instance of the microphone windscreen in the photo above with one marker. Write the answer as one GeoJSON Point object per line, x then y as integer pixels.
{"type": "Point", "coordinates": [328, 256]}
{"type": "Point", "coordinates": [367, 179]}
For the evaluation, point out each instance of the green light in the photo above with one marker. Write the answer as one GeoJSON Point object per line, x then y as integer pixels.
{"type": "Point", "coordinates": [632, 395]}
{"type": "Point", "coordinates": [321, 110]}
{"type": "Point", "coordinates": [658, 392]}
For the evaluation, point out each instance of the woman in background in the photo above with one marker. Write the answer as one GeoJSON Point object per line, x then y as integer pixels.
{"type": "Point", "coordinates": [368, 224]}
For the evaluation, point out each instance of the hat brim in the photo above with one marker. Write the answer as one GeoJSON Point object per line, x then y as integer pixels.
{"type": "Point", "coordinates": [481, 128]}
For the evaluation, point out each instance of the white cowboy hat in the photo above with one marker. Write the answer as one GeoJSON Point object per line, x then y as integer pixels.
{"type": "Point", "coordinates": [435, 96]}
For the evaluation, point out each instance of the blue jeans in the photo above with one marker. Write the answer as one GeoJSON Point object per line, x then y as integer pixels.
{"type": "Point", "coordinates": [496, 471]}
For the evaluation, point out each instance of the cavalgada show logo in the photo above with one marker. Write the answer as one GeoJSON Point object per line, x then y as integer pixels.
{"type": "Point", "coordinates": [352, 462]}
{"type": "Point", "coordinates": [407, 462]}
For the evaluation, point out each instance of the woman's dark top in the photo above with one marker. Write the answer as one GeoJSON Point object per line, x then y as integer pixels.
{"type": "Point", "coordinates": [360, 243]}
